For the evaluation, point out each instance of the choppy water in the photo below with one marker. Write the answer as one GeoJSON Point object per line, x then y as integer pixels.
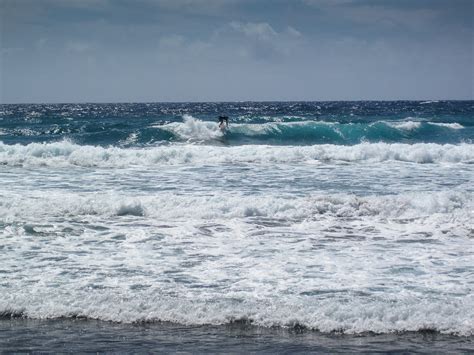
{"type": "Point", "coordinates": [349, 217]}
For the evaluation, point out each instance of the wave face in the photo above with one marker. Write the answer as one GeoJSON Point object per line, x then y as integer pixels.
{"type": "Point", "coordinates": [347, 217]}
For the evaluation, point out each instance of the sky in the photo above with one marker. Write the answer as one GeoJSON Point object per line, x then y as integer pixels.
{"type": "Point", "coordinates": [55, 51]}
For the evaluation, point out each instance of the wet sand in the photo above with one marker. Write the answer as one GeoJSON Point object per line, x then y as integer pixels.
{"type": "Point", "coordinates": [79, 335]}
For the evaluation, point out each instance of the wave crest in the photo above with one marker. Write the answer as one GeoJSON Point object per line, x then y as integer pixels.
{"type": "Point", "coordinates": [193, 130]}
{"type": "Point", "coordinates": [352, 315]}
{"type": "Point", "coordinates": [65, 153]}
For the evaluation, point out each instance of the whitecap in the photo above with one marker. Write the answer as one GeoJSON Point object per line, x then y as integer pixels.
{"type": "Point", "coordinates": [406, 126]}
{"type": "Point", "coordinates": [454, 125]}
{"type": "Point", "coordinates": [66, 153]}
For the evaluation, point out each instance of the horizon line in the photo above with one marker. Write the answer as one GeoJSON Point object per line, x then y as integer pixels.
{"type": "Point", "coordinates": [222, 102]}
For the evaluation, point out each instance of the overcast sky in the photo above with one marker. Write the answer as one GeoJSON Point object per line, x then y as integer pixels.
{"type": "Point", "coordinates": [233, 50]}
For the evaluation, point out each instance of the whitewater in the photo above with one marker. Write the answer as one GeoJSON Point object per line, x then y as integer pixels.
{"type": "Point", "coordinates": [337, 217]}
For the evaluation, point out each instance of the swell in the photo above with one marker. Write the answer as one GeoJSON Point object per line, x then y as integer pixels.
{"type": "Point", "coordinates": [86, 133]}
{"type": "Point", "coordinates": [347, 133]}
{"type": "Point", "coordinates": [145, 132]}
{"type": "Point", "coordinates": [316, 132]}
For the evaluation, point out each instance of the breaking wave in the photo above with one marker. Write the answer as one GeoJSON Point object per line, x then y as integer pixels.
{"type": "Point", "coordinates": [350, 316]}
{"type": "Point", "coordinates": [66, 153]}
{"type": "Point", "coordinates": [313, 132]}
{"type": "Point", "coordinates": [192, 130]}
{"type": "Point", "coordinates": [171, 206]}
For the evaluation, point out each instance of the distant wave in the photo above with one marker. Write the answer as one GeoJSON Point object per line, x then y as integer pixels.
{"type": "Point", "coordinates": [408, 125]}
{"type": "Point", "coordinates": [308, 132]}
{"type": "Point", "coordinates": [192, 130]}
{"type": "Point", "coordinates": [448, 125]}
{"type": "Point", "coordinates": [429, 102]}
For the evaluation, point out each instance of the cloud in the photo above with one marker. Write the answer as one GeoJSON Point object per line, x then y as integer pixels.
{"type": "Point", "coordinates": [260, 40]}
{"type": "Point", "coordinates": [261, 31]}
{"type": "Point", "coordinates": [250, 40]}
{"type": "Point", "coordinates": [236, 49]}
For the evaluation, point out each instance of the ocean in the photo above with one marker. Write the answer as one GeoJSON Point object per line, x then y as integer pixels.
{"type": "Point", "coordinates": [306, 226]}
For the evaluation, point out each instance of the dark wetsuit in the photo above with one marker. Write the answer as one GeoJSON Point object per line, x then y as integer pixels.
{"type": "Point", "coordinates": [223, 119]}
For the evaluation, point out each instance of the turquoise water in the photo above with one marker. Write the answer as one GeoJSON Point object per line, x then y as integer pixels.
{"type": "Point", "coordinates": [141, 125]}
{"type": "Point", "coordinates": [346, 217]}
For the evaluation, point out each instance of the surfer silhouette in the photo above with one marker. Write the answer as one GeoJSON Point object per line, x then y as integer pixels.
{"type": "Point", "coordinates": [223, 122]}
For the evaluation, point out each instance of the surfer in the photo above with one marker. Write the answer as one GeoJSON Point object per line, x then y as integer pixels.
{"type": "Point", "coordinates": [223, 122]}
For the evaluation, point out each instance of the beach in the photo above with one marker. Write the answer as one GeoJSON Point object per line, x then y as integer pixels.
{"type": "Point", "coordinates": [96, 336]}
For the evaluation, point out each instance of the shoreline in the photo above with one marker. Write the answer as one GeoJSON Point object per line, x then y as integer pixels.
{"type": "Point", "coordinates": [86, 335]}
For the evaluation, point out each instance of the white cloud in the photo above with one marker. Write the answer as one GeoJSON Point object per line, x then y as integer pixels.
{"type": "Point", "coordinates": [261, 40]}
{"type": "Point", "coordinates": [251, 40]}
{"type": "Point", "coordinates": [261, 31]}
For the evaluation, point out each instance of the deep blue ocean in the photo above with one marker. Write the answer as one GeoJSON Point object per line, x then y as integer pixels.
{"type": "Point", "coordinates": [305, 226]}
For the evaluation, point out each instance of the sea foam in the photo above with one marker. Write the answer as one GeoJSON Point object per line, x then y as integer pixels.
{"type": "Point", "coordinates": [350, 315]}
{"type": "Point", "coordinates": [66, 153]}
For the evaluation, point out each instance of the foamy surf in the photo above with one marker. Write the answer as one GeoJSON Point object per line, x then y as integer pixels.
{"type": "Point", "coordinates": [337, 217]}
{"type": "Point", "coordinates": [343, 314]}
{"type": "Point", "coordinates": [193, 130]}
{"type": "Point", "coordinates": [169, 206]}
{"type": "Point", "coordinates": [69, 154]}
